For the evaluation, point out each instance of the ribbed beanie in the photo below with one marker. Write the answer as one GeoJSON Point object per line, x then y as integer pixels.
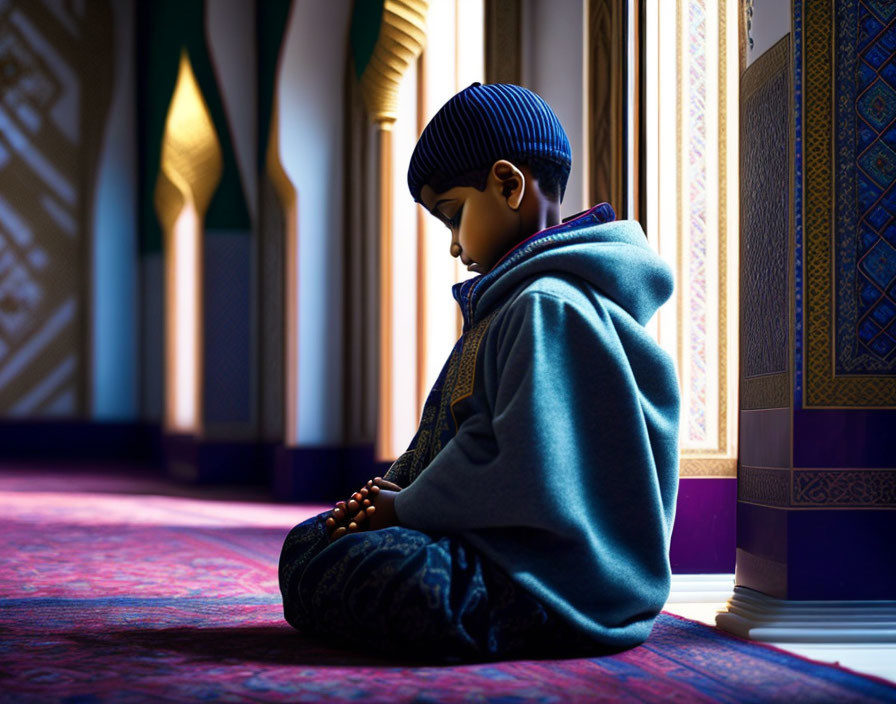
{"type": "Point", "coordinates": [484, 123]}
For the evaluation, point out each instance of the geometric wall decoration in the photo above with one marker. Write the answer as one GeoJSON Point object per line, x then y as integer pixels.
{"type": "Point", "coordinates": [866, 189]}
{"type": "Point", "coordinates": [831, 446]}
{"type": "Point", "coordinates": [849, 308]}
{"type": "Point", "coordinates": [51, 105]}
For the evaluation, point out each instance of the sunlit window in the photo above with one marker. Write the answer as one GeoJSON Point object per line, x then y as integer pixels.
{"type": "Point", "coordinates": [691, 112]}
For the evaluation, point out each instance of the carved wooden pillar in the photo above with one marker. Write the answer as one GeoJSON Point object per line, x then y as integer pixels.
{"type": "Point", "coordinates": [503, 56]}
{"type": "Point", "coordinates": [614, 117]}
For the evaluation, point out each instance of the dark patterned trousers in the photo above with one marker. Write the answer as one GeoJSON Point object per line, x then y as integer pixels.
{"type": "Point", "coordinates": [403, 592]}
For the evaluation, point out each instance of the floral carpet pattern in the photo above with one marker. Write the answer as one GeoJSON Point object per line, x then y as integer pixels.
{"type": "Point", "coordinates": [113, 591]}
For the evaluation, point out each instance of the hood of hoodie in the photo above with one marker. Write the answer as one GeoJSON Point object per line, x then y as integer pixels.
{"type": "Point", "coordinates": [612, 256]}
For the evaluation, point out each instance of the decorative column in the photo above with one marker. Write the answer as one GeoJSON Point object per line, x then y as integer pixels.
{"type": "Point", "coordinates": [196, 128]}
{"type": "Point", "coordinates": [816, 510]}
{"type": "Point", "coordinates": [380, 63]}
{"type": "Point", "coordinates": [189, 172]}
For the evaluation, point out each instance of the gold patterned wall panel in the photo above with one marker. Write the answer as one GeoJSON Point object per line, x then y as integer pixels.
{"type": "Point", "coordinates": [55, 82]}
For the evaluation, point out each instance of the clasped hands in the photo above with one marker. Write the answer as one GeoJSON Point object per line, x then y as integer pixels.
{"type": "Point", "coordinates": [369, 508]}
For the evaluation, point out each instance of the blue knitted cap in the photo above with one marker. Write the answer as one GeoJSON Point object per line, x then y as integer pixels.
{"type": "Point", "coordinates": [484, 123]}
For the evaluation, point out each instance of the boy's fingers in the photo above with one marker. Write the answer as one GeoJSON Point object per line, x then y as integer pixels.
{"type": "Point", "coordinates": [338, 514]}
{"type": "Point", "coordinates": [370, 510]}
{"type": "Point", "coordinates": [339, 532]}
{"type": "Point", "coordinates": [330, 523]}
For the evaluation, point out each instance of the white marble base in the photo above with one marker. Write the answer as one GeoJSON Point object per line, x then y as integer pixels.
{"type": "Point", "coordinates": [700, 588]}
{"type": "Point", "coordinates": [756, 616]}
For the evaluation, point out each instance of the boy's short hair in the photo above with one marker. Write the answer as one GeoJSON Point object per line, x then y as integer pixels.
{"type": "Point", "coordinates": [482, 124]}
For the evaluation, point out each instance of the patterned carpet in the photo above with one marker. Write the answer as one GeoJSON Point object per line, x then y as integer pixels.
{"type": "Point", "coordinates": [111, 590]}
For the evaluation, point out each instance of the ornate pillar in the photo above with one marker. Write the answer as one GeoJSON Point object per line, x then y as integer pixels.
{"type": "Point", "coordinates": [816, 510]}
{"type": "Point", "coordinates": [381, 60]}
{"type": "Point", "coordinates": [196, 127]}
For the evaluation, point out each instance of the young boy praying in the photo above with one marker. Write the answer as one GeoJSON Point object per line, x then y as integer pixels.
{"type": "Point", "coordinates": [532, 511]}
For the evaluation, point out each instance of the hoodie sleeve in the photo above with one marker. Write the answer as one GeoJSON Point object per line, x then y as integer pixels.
{"type": "Point", "coordinates": [562, 449]}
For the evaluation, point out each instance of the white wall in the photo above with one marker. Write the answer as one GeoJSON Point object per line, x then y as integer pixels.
{"type": "Point", "coordinates": [552, 67]}
{"type": "Point", "coordinates": [310, 94]}
{"type": "Point", "coordinates": [114, 307]}
{"type": "Point", "coordinates": [771, 21]}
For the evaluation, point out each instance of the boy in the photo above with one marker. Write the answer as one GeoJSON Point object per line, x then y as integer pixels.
{"type": "Point", "coordinates": [532, 511]}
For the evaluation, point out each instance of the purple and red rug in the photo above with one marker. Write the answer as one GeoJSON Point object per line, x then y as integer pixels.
{"type": "Point", "coordinates": [110, 592]}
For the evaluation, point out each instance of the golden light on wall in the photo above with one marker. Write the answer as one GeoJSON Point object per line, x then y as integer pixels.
{"type": "Point", "coordinates": [190, 170]}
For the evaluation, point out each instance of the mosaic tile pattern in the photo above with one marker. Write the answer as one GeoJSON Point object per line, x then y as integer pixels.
{"type": "Point", "coordinates": [866, 189]}
{"type": "Point", "coordinates": [844, 50]}
{"type": "Point", "coordinates": [875, 141]}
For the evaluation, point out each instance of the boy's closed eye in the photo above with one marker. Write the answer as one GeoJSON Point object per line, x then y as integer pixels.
{"type": "Point", "coordinates": [454, 221]}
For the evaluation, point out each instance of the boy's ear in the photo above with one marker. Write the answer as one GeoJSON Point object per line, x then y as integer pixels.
{"type": "Point", "coordinates": [508, 181]}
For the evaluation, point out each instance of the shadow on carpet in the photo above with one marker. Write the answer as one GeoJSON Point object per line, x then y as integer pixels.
{"type": "Point", "coordinates": [136, 598]}
{"type": "Point", "coordinates": [77, 651]}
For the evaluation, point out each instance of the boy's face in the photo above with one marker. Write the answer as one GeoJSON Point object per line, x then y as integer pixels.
{"type": "Point", "coordinates": [486, 224]}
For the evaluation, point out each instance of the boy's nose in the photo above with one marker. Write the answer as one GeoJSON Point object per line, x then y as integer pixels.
{"type": "Point", "coordinates": [455, 249]}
